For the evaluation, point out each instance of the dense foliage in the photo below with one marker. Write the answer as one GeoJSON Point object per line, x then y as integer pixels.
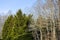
{"type": "Point", "coordinates": [16, 27]}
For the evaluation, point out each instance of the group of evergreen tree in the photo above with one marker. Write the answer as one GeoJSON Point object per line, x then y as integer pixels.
{"type": "Point", "coordinates": [16, 27]}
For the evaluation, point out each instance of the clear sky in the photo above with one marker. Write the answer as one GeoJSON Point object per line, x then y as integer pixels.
{"type": "Point", "coordinates": [14, 5]}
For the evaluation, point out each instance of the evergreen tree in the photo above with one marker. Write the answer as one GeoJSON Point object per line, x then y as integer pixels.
{"type": "Point", "coordinates": [16, 28]}
{"type": "Point", "coordinates": [7, 27]}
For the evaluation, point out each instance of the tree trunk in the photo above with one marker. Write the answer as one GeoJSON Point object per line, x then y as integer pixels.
{"type": "Point", "coordinates": [41, 34]}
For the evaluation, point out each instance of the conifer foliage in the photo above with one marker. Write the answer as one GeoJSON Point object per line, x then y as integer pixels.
{"type": "Point", "coordinates": [16, 27]}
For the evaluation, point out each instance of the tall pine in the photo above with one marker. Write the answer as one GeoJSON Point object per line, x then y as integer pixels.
{"type": "Point", "coordinates": [16, 28]}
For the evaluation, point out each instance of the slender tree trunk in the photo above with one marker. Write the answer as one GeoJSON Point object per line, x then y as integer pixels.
{"type": "Point", "coordinates": [41, 34]}
{"type": "Point", "coordinates": [54, 34]}
{"type": "Point", "coordinates": [37, 35]}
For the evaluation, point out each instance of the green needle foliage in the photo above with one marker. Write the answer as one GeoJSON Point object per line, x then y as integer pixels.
{"type": "Point", "coordinates": [16, 27]}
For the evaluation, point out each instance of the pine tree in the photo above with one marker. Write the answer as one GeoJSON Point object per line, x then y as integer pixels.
{"type": "Point", "coordinates": [7, 27]}
{"type": "Point", "coordinates": [16, 28]}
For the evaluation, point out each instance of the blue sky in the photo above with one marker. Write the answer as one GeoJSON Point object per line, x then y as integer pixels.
{"type": "Point", "coordinates": [14, 5]}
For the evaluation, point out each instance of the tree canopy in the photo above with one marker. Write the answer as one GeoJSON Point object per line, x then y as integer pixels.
{"type": "Point", "coordinates": [16, 27]}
